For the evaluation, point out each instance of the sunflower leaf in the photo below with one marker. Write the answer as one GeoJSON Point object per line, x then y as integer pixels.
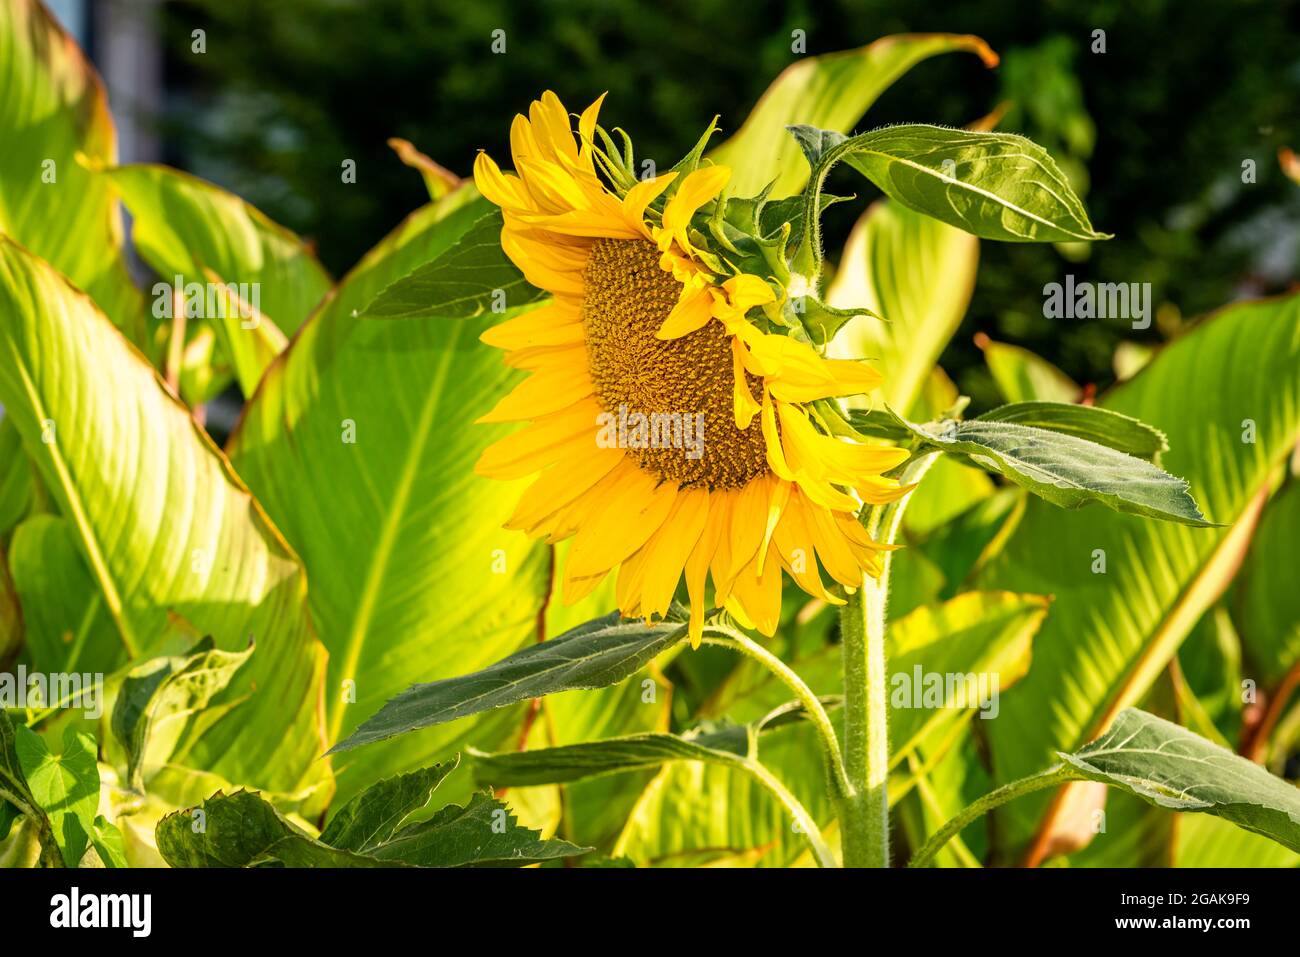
{"type": "Point", "coordinates": [1069, 471]}
{"type": "Point", "coordinates": [372, 816]}
{"type": "Point", "coordinates": [992, 185]}
{"type": "Point", "coordinates": [593, 655]}
{"type": "Point", "coordinates": [1062, 468]}
{"type": "Point", "coordinates": [483, 833]}
{"type": "Point", "coordinates": [467, 280]}
{"type": "Point", "coordinates": [1103, 426]}
{"type": "Point", "coordinates": [242, 830]}
{"type": "Point", "coordinates": [727, 745]}
{"type": "Point", "coordinates": [1170, 767]}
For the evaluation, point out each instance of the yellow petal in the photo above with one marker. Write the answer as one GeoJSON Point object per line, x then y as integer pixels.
{"type": "Point", "coordinates": [697, 568]}
{"type": "Point", "coordinates": [559, 486]}
{"type": "Point", "coordinates": [666, 553]}
{"type": "Point", "coordinates": [545, 391]}
{"type": "Point", "coordinates": [693, 311]}
{"type": "Point", "coordinates": [551, 438]}
{"type": "Point", "coordinates": [642, 195]}
{"type": "Point", "coordinates": [554, 324]}
{"type": "Point", "coordinates": [696, 189]}
{"type": "Point", "coordinates": [743, 401]}
{"type": "Point", "coordinates": [631, 511]}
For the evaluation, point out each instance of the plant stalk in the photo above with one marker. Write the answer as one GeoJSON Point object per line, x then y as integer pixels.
{"type": "Point", "coordinates": [1034, 782]}
{"type": "Point", "coordinates": [864, 811]}
{"type": "Point", "coordinates": [738, 641]}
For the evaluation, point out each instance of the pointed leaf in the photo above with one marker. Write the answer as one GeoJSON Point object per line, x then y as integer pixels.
{"type": "Point", "coordinates": [64, 786]}
{"type": "Point", "coordinates": [1168, 766]}
{"type": "Point", "coordinates": [1102, 426]}
{"type": "Point", "coordinates": [371, 817]}
{"type": "Point", "coordinates": [576, 761]}
{"type": "Point", "coordinates": [243, 830]}
{"type": "Point", "coordinates": [483, 833]}
{"type": "Point", "coordinates": [1066, 470]}
{"type": "Point", "coordinates": [468, 279]}
{"type": "Point", "coordinates": [593, 655]}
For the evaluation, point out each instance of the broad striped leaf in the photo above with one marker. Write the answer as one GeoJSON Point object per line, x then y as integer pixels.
{"type": "Point", "coordinates": [413, 577]}
{"type": "Point", "coordinates": [166, 528]}
{"type": "Point", "coordinates": [1128, 590]}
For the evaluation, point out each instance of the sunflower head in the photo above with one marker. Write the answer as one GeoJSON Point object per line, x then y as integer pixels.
{"type": "Point", "coordinates": [681, 421]}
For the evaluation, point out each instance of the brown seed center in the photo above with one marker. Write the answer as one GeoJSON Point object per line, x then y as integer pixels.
{"type": "Point", "coordinates": [669, 402]}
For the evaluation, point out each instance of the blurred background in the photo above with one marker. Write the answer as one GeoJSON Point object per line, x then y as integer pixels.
{"type": "Point", "coordinates": [1155, 132]}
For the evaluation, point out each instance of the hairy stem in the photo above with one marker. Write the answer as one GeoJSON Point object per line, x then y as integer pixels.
{"type": "Point", "coordinates": [739, 641]}
{"type": "Point", "coordinates": [864, 810]}
{"type": "Point", "coordinates": [1035, 782]}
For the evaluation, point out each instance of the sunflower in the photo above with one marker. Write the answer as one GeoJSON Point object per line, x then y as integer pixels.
{"type": "Point", "coordinates": [674, 431]}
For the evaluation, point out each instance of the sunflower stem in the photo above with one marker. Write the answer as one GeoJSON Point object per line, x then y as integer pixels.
{"type": "Point", "coordinates": [812, 705]}
{"type": "Point", "coordinates": [864, 811]}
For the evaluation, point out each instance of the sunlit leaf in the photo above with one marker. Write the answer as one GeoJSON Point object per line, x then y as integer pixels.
{"type": "Point", "coordinates": [830, 91]}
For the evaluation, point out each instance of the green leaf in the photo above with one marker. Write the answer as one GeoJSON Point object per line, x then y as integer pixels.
{"type": "Point", "coordinates": [471, 277]}
{"type": "Point", "coordinates": [244, 830]}
{"type": "Point", "coordinates": [593, 655]}
{"type": "Point", "coordinates": [1066, 470]}
{"type": "Point", "coordinates": [992, 185]}
{"type": "Point", "coordinates": [167, 530]}
{"type": "Point", "coordinates": [371, 817]}
{"type": "Point", "coordinates": [832, 91]}
{"type": "Point", "coordinates": [1168, 766]}
{"type": "Point", "coordinates": [8, 814]}
{"type": "Point", "coordinates": [55, 107]}
{"type": "Point", "coordinates": [1127, 590]}
{"type": "Point", "coordinates": [1022, 376]}
{"type": "Point", "coordinates": [483, 833]}
{"type": "Point", "coordinates": [185, 227]}
{"type": "Point", "coordinates": [108, 842]}
{"type": "Point", "coordinates": [916, 272]}
{"type": "Point", "coordinates": [1268, 603]}
{"type": "Point", "coordinates": [15, 477]}
{"type": "Point", "coordinates": [67, 625]}
{"type": "Point", "coordinates": [164, 690]}
{"type": "Point", "coordinates": [65, 787]}
{"type": "Point", "coordinates": [1114, 430]}
{"type": "Point", "coordinates": [11, 617]}
{"type": "Point", "coordinates": [16, 796]}
{"type": "Point", "coordinates": [635, 752]}
{"type": "Point", "coordinates": [412, 575]}
{"type": "Point", "coordinates": [1206, 841]}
